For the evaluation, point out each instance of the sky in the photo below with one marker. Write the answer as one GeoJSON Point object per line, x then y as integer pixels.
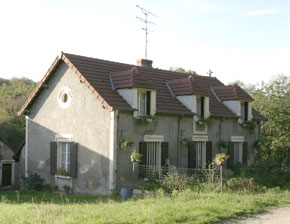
{"type": "Point", "coordinates": [245, 40]}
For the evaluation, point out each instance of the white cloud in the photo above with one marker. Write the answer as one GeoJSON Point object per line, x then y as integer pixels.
{"type": "Point", "coordinates": [200, 5]}
{"type": "Point", "coordinates": [262, 12]}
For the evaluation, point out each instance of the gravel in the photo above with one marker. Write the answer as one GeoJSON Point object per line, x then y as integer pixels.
{"type": "Point", "coordinates": [276, 216]}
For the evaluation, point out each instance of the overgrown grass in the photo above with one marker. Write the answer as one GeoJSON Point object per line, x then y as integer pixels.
{"type": "Point", "coordinates": [178, 207]}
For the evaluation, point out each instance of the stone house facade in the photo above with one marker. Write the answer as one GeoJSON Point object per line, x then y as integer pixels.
{"type": "Point", "coordinates": [84, 108]}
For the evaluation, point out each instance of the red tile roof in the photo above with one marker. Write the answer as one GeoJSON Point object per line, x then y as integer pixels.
{"type": "Point", "coordinates": [94, 74]}
{"type": "Point", "coordinates": [131, 78]}
{"type": "Point", "coordinates": [187, 86]}
{"type": "Point", "coordinates": [231, 92]}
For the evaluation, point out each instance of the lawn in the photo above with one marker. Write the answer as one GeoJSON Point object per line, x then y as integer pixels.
{"type": "Point", "coordinates": [185, 207]}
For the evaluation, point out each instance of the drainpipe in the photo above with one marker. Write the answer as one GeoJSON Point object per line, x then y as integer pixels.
{"type": "Point", "coordinates": [179, 139]}
{"type": "Point", "coordinates": [220, 132]}
{"type": "Point", "coordinates": [118, 151]}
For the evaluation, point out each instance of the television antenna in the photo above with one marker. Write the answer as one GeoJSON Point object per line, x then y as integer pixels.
{"type": "Point", "coordinates": [146, 14]}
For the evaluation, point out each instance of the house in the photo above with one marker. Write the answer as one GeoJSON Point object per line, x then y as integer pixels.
{"type": "Point", "coordinates": [83, 108]}
{"type": "Point", "coordinates": [7, 165]}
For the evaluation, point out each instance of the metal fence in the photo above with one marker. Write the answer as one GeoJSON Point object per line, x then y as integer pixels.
{"type": "Point", "coordinates": [145, 172]}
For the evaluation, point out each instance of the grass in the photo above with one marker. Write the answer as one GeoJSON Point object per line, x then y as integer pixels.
{"type": "Point", "coordinates": [184, 207]}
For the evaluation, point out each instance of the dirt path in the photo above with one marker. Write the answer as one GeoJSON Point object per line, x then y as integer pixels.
{"type": "Point", "coordinates": [276, 216]}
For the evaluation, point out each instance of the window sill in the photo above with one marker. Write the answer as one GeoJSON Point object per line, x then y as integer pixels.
{"type": "Point", "coordinates": [63, 177]}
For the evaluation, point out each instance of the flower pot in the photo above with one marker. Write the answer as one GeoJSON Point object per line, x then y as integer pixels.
{"type": "Point", "coordinates": [126, 192]}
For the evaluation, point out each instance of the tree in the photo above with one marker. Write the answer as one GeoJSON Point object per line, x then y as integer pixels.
{"type": "Point", "coordinates": [272, 99]}
{"type": "Point", "coordinates": [13, 94]}
{"type": "Point", "coordinates": [182, 70]}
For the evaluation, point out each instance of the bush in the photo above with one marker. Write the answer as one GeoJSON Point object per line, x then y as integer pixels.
{"type": "Point", "coordinates": [33, 181]}
{"type": "Point", "coordinates": [149, 185]}
{"type": "Point", "coordinates": [243, 184]}
{"type": "Point", "coordinates": [174, 181]}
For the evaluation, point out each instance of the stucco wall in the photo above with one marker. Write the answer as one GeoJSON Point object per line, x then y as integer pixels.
{"type": "Point", "coordinates": [167, 125]}
{"type": "Point", "coordinates": [85, 119]}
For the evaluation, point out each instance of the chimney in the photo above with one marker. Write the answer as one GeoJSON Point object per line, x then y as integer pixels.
{"type": "Point", "coordinates": [145, 63]}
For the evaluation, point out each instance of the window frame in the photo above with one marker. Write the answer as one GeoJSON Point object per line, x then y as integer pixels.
{"type": "Point", "coordinates": [139, 102]}
{"type": "Point", "coordinates": [238, 154]}
{"type": "Point", "coordinates": [200, 154]}
{"type": "Point", "coordinates": [67, 156]}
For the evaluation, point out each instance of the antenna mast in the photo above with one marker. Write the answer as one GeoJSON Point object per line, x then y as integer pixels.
{"type": "Point", "coordinates": [146, 13]}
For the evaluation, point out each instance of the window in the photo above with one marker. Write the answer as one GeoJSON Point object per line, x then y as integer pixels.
{"type": "Point", "coordinates": [238, 154]}
{"type": "Point", "coordinates": [143, 103]}
{"type": "Point", "coordinates": [65, 156]}
{"type": "Point", "coordinates": [64, 97]}
{"type": "Point", "coordinates": [200, 154]}
{"type": "Point", "coordinates": [154, 154]}
{"type": "Point", "coordinates": [200, 107]}
{"type": "Point", "coordinates": [244, 111]}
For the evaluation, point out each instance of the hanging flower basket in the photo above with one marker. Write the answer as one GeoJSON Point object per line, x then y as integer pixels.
{"type": "Point", "coordinates": [221, 158]}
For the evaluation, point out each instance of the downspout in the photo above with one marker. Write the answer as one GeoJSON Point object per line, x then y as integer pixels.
{"type": "Point", "coordinates": [118, 152]}
{"type": "Point", "coordinates": [220, 132]}
{"type": "Point", "coordinates": [26, 145]}
{"type": "Point", "coordinates": [179, 139]}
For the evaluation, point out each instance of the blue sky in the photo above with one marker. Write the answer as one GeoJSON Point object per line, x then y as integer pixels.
{"type": "Point", "coordinates": [245, 40]}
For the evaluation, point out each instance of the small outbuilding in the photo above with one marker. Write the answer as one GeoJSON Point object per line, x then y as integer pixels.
{"type": "Point", "coordinates": [7, 165]}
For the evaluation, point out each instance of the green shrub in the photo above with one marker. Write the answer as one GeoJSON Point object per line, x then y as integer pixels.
{"type": "Point", "coordinates": [33, 181]}
{"type": "Point", "coordinates": [243, 184]}
{"type": "Point", "coordinates": [175, 181]}
{"type": "Point", "coordinates": [149, 185]}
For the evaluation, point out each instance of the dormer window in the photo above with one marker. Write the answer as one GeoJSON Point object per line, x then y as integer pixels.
{"type": "Point", "coordinates": [244, 111]}
{"type": "Point", "coordinates": [200, 107]}
{"type": "Point", "coordinates": [143, 103]}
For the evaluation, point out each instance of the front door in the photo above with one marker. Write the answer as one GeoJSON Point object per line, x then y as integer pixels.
{"type": "Point", "coordinates": [6, 174]}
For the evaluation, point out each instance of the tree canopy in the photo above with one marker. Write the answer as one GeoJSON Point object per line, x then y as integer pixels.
{"type": "Point", "coordinates": [272, 100]}
{"type": "Point", "coordinates": [13, 94]}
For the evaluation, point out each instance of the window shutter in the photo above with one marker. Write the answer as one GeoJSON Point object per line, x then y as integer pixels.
{"type": "Point", "coordinates": [231, 152]}
{"type": "Point", "coordinates": [245, 153]}
{"type": "Point", "coordinates": [148, 102]}
{"type": "Point", "coordinates": [246, 110]}
{"type": "Point", "coordinates": [143, 151]}
{"type": "Point", "coordinates": [202, 107]}
{"type": "Point", "coordinates": [208, 152]}
{"type": "Point", "coordinates": [164, 153]}
{"type": "Point", "coordinates": [192, 155]}
{"type": "Point", "coordinates": [73, 159]}
{"type": "Point", "coordinates": [53, 158]}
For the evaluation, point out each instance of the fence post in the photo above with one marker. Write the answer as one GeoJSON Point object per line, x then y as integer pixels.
{"type": "Point", "coordinates": [221, 174]}
{"type": "Point", "coordinates": [133, 175]}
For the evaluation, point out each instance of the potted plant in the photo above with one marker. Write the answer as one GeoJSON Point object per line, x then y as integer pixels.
{"type": "Point", "coordinates": [135, 156]}
{"type": "Point", "coordinates": [66, 189]}
{"type": "Point", "coordinates": [144, 120]}
{"type": "Point", "coordinates": [62, 172]}
{"type": "Point", "coordinates": [126, 143]}
{"type": "Point", "coordinates": [221, 158]}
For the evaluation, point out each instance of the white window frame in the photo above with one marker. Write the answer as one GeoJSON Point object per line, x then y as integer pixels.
{"type": "Point", "coordinates": [198, 106]}
{"type": "Point", "coordinates": [139, 102]}
{"type": "Point", "coordinates": [60, 155]}
{"type": "Point", "coordinates": [154, 156]}
{"type": "Point", "coordinates": [200, 154]}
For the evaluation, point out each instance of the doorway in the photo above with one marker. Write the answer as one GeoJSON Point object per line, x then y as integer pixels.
{"type": "Point", "coordinates": [6, 175]}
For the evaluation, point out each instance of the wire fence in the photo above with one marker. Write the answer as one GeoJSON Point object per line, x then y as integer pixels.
{"type": "Point", "coordinates": [153, 173]}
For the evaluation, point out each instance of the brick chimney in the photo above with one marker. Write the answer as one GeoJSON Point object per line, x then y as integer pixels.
{"type": "Point", "coordinates": [145, 63]}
